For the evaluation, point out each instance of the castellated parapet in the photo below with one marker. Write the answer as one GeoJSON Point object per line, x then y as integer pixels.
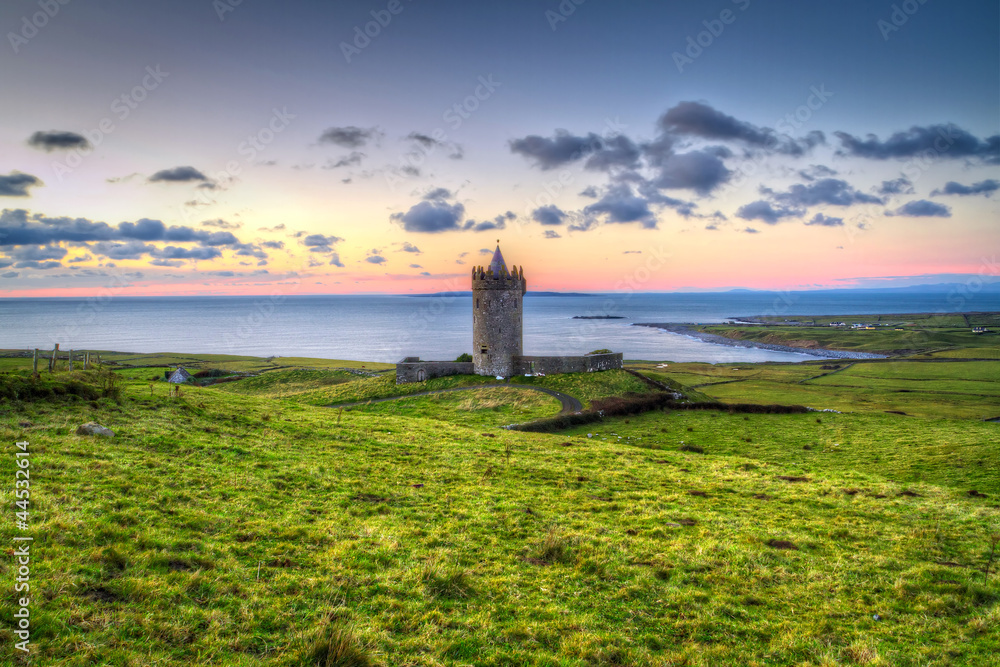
{"type": "Point", "coordinates": [497, 317]}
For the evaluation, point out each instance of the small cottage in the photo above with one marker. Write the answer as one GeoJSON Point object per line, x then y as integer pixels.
{"type": "Point", "coordinates": [179, 376]}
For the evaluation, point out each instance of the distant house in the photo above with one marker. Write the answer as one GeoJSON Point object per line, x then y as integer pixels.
{"type": "Point", "coordinates": [179, 376]}
{"type": "Point", "coordinates": [980, 330]}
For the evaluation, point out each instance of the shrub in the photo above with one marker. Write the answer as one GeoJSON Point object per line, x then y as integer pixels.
{"type": "Point", "coordinates": [465, 356]}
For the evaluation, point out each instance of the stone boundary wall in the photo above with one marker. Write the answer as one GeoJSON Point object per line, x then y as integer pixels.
{"type": "Point", "coordinates": [556, 365]}
{"type": "Point", "coordinates": [413, 370]}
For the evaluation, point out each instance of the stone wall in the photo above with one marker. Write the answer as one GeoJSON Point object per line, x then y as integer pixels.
{"type": "Point", "coordinates": [412, 369]}
{"type": "Point", "coordinates": [556, 365]}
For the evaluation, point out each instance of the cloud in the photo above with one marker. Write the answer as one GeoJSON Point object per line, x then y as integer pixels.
{"type": "Point", "coordinates": [375, 259]}
{"type": "Point", "coordinates": [55, 140]}
{"type": "Point", "coordinates": [178, 175]}
{"type": "Point", "coordinates": [549, 215]}
{"type": "Point", "coordinates": [941, 140]}
{"type": "Point", "coordinates": [815, 171]}
{"type": "Point", "coordinates": [551, 153]}
{"type": "Point", "coordinates": [921, 208]}
{"type": "Point", "coordinates": [830, 191]}
{"type": "Point", "coordinates": [438, 194]}
{"type": "Point", "coordinates": [700, 170]}
{"type": "Point", "coordinates": [615, 152]}
{"type": "Point", "coordinates": [409, 247]}
{"type": "Point", "coordinates": [335, 260]}
{"type": "Point", "coordinates": [36, 253]}
{"type": "Point", "coordinates": [985, 188]}
{"type": "Point", "coordinates": [767, 212]}
{"type": "Point", "coordinates": [750, 230]}
{"type": "Point", "coordinates": [173, 252]}
{"type": "Point", "coordinates": [10, 274]}
{"type": "Point", "coordinates": [431, 217]}
{"type": "Point", "coordinates": [16, 184]}
{"type": "Point", "coordinates": [499, 222]}
{"type": "Point", "coordinates": [321, 242]}
{"type": "Point", "coordinates": [620, 205]}
{"type": "Point", "coordinates": [352, 159]}
{"type": "Point", "coordinates": [43, 266]}
{"type": "Point", "coordinates": [276, 228]}
{"type": "Point", "coordinates": [415, 266]}
{"type": "Point", "coordinates": [590, 192]}
{"type": "Point", "coordinates": [898, 186]}
{"type": "Point", "coordinates": [166, 262]}
{"type": "Point", "coordinates": [350, 136]}
{"type": "Point", "coordinates": [703, 121]}
{"type": "Point", "coordinates": [825, 221]}
{"type": "Point", "coordinates": [221, 224]}
{"type": "Point", "coordinates": [273, 245]}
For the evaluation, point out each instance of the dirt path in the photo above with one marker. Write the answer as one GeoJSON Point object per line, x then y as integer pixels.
{"type": "Point", "coordinates": [570, 404]}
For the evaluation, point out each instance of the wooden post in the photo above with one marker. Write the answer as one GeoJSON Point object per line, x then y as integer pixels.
{"type": "Point", "coordinates": [71, 361]}
{"type": "Point", "coordinates": [52, 361]}
{"type": "Point", "coordinates": [86, 361]}
{"type": "Point", "coordinates": [34, 362]}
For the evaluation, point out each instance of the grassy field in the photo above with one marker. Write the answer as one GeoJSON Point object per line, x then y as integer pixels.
{"type": "Point", "coordinates": [889, 334]}
{"type": "Point", "coordinates": [245, 524]}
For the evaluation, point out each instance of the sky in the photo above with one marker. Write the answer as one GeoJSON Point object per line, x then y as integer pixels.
{"type": "Point", "coordinates": [200, 147]}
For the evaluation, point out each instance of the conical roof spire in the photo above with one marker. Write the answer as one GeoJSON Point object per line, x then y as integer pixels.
{"type": "Point", "coordinates": [497, 265]}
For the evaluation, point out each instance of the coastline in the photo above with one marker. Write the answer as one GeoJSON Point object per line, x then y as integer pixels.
{"type": "Point", "coordinates": [823, 353]}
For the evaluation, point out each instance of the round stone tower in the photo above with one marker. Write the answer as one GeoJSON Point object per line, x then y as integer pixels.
{"type": "Point", "coordinates": [496, 316]}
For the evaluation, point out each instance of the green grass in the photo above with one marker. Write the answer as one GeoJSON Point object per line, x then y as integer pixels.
{"type": "Point", "coordinates": [248, 527]}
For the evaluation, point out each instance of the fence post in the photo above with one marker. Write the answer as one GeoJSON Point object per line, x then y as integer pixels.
{"type": "Point", "coordinates": [52, 361]}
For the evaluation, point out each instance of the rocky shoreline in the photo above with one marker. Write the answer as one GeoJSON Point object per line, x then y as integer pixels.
{"type": "Point", "coordinates": [687, 330]}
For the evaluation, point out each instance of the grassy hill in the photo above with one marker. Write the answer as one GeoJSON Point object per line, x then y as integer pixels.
{"type": "Point", "coordinates": [246, 524]}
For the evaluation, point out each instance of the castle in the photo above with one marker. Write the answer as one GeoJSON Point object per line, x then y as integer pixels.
{"type": "Point", "coordinates": [497, 335]}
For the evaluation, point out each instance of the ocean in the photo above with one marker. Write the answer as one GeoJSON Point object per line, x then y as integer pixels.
{"type": "Point", "coordinates": [387, 328]}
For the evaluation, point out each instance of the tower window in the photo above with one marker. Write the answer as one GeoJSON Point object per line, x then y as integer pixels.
{"type": "Point", "coordinates": [477, 304]}
{"type": "Point", "coordinates": [483, 350]}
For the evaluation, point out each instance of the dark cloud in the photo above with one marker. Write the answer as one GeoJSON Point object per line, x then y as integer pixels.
{"type": "Point", "coordinates": [221, 224]}
{"type": "Point", "coordinates": [696, 119]}
{"type": "Point", "coordinates": [375, 259]}
{"type": "Point", "coordinates": [178, 175]}
{"type": "Point", "coordinates": [349, 136]}
{"type": "Point", "coordinates": [590, 192]}
{"type": "Point", "coordinates": [17, 228]}
{"type": "Point", "coordinates": [431, 217]}
{"type": "Point", "coordinates": [16, 184]}
{"type": "Point", "coordinates": [701, 171]}
{"type": "Point", "coordinates": [415, 266]}
{"type": "Point", "coordinates": [166, 262]}
{"type": "Point", "coordinates": [897, 186]}
{"type": "Point", "coordinates": [767, 212]}
{"type": "Point", "coordinates": [985, 188]}
{"type": "Point", "coordinates": [273, 245]}
{"type": "Point", "coordinates": [943, 140]}
{"type": "Point", "coordinates": [549, 215]}
{"type": "Point", "coordinates": [551, 153]}
{"type": "Point", "coordinates": [438, 194]}
{"type": "Point", "coordinates": [10, 274]}
{"type": "Point", "coordinates": [830, 191]}
{"type": "Point", "coordinates": [815, 171]}
{"type": "Point", "coordinates": [409, 247]}
{"type": "Point", "coordinates": [750, 230]}
{"type": "Point", "coordinates": [173, 252]}
{"type": "Point", "coordinates": [352, 159]}
{"type": "Point", "coordinates": [825, 221]}
{"type": "Point", "coordinates": [335, 260]}
{"type": "Point", "coordinates": [221, 274]}
{"type": "Point", "coordinates": [712, 228]}
{"type": "Point", "coordinates": [126, 250]}
{"type": "Point", "coordinates": [55, 140]}
{"type": "Point", "coordinates": [921, 208]}
{"type": "Point", "coordinates": [321, 243]}
{"type": "Point", "coordinates": [620, 205]}
{"type": "Point", "coordinates": [36, 253]}
{"type": "Point", "coordinates": [499, 222]}
{"type": "Point", "coordinates": [276, 228]}
{"type": "Point", "coordinates": [615, 152]}
{"type": "Point", "coordinates": [43, 266]}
